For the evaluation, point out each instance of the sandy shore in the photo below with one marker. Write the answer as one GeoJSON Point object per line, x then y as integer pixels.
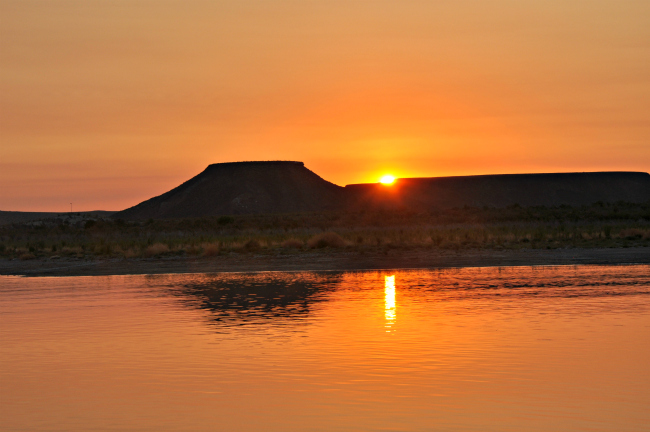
{"type": "Point", "coordinates": [324, 260]}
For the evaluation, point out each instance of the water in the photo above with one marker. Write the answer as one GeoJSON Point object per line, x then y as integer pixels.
{"type": "Point", "coordinates": [485, 349]}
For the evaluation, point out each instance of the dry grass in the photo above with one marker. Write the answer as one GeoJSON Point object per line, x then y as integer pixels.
{"type": "Point", "coordinates": [156, 249]}
{"type": "Point", "coordinates": [292, 243]}
{"type": "Point", "coordinates": [266, 240]}
{"type": "Point", "coordinates": [191, 249]}
{"type": "Point", "coordinates": [103, 249]}
{"type": "Point", "coordinates": [211, 249]}
{"type": "Point", "coordinates": [634, 233]}
{"type": "Point", "coordinates": [252, 245]}
{"type": "Point", "coordinates": [130, 253]}
{"type": "Point", "coordinates": [76, 250]}
{"type": "Point", "coordinates": [453, 230]}
{"type": "Point", "coordinates": [326, 239]}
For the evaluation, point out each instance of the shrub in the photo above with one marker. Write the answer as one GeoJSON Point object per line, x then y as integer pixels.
{"type": "Point", "coordinates": [71, 250]}
{"type": "Point", "coordinates": [130, 253]}
{"type": "Point", "coordinates": [191, 249]}
{"type": "Point", "coordinates": [292, 243]}
{"type": "Point", "coordinates": [225, 220]}
{"type": "Point", "coordinates": [156, 249]}
{"type": "Point", "coordinates": [210, 249]}
{"type": "Point", "coordinates": [632, 233]}
{"type": "Point", "coordinates": [252, 245]}
{"type": "Point", "coordinates": [608, 231]}
{"type": "Point", "coordinates": [103, 249]}
{"type": "Point", "coordinates": [326, 239]}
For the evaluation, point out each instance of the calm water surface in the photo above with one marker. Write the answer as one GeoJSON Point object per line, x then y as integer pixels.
{"type": "Point", "coordinates": [545, 348]}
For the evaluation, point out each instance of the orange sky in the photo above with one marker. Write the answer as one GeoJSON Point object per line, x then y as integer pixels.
{"type": "Point", "coordinates": [105, 104]}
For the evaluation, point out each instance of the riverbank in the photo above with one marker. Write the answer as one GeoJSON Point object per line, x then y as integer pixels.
{"type": "Point", "coordinates": [321, 260]}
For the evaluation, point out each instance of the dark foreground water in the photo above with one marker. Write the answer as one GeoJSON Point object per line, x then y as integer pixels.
{"type": "Point", "coordinates": [512, 349]}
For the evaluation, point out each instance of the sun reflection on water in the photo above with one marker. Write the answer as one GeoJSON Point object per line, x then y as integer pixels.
{"type": "Point", "coordinates": [389, 300]}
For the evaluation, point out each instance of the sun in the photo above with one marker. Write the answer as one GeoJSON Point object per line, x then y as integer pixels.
{"type": "Point", "coordinates": [387, 179]}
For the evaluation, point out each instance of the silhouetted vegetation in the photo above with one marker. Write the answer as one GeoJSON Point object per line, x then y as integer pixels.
{"type": "Point", "coordinates": [515, 227]}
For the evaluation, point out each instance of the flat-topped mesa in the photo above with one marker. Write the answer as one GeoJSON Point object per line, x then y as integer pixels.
{"type": "Point", "coordinates": [501, 190]}
{"type": "Point", "coordinates": [256, 163]}
{"type": "Point", "coordinates": [289, 187]}
{"type": "Point", "coordinates": [243, 188]}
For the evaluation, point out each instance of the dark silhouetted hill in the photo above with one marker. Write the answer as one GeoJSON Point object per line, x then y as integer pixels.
{"type": "Point", "coordinates": [289, 187]}
{"type": "Point", "coordinates": [243, 188]}
{"type": "Point", "coordinates": [504, 190]}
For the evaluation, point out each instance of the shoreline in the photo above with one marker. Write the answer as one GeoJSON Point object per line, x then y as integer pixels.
{"type": "Point", "coordinates": [325, 260]}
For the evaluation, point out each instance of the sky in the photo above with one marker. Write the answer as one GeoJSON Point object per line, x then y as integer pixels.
{"type": "Point", "coordinates": [104, 104]}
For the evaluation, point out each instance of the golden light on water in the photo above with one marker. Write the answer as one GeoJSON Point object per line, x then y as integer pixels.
{"type": "Point", "coordinates": [434, 368]}
{"type": "Point", "coordinates": [389, 301]}
{"type": "Point", "coordinates": [387, 179]}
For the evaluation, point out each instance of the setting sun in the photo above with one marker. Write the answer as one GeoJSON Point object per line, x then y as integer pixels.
{"type": "Point", "coordinates": [387, 179]}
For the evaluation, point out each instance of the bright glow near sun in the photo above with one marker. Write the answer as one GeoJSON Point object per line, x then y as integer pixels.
{"type": "Point", "coordinates": [387, 179]}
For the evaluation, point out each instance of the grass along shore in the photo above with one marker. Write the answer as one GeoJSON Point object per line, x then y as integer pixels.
{"type": "Point", "coordinates": [597, 226]}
